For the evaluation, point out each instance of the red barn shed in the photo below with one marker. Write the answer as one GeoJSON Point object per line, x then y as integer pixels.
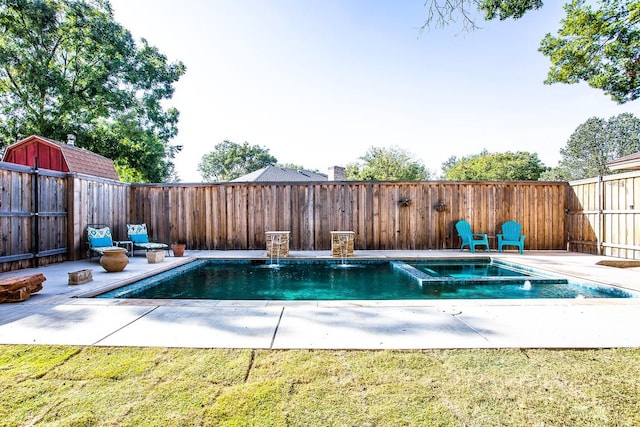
{"type": "Point", "coordinates": [59, 156]}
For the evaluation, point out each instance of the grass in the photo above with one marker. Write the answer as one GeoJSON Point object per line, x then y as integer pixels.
{"type": "Point", "coordinates": [88, 386]}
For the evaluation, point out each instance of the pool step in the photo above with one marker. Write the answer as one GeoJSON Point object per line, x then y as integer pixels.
{"type": "Point", "coordinates": [425, 279]}
{"type": "Point", "coordinates": [414, 273]}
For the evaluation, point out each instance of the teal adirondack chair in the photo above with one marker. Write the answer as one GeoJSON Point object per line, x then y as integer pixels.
{"type": "Point", "coordinates": [470, 239]}
{"type": "Point", "coordinates": [511, 236]}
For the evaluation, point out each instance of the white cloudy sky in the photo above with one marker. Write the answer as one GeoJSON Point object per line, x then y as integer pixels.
{"type": "Point", "coordinates": [318, 83]}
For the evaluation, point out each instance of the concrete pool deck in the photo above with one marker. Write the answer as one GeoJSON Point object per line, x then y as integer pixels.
{"type": "Point", "coordinates": [59, 314]}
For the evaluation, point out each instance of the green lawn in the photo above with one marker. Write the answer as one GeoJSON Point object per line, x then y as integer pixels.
{"type": "Point", "coordinates": [90, 386]}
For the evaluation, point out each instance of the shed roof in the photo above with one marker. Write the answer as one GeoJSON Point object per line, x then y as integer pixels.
{"type": "Point", "coordinates": [278, 174]}
{"type": "Point", "coordinates": [630, 162]}
{"type": "Point", "coordinates": [78, 159]}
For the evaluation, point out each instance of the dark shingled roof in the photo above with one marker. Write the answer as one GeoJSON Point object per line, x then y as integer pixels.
{"type": "Point", "coordinates": [277, 174]}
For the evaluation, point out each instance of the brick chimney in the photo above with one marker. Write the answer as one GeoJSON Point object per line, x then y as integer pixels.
{"type": "Point", "coordinates": [336, 173]}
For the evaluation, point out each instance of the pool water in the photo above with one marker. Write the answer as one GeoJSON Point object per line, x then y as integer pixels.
{"type": "Point", "coordinates": [361, 280]}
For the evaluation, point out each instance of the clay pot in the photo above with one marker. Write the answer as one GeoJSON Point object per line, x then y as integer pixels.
{"type": "Point", "coordinates": [114, 260]}
{"type": "Point", "coordinates": [178, 249]}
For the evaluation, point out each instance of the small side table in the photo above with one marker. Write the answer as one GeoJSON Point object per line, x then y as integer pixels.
{"type": "Point", "coordinates": [127, 244]}
{"type": "Point", "coordinates": [342, 243]}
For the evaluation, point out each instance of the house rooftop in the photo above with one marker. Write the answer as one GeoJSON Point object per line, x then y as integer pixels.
{"type": "Point", "coordinates": [630, 162]}
{"type": "Point", "coordinates": [278, 174]}
{"type": "Point", "coordinates": [78, 160]}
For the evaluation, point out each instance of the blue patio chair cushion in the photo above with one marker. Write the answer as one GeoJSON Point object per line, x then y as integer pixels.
{"type": "Point", "coordinates": [99, 237]}
{"type": "Point", "coordinates": [138, 233]}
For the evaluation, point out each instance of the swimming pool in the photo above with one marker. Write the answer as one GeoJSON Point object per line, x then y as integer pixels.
{"type": "Point", "coordinates": [374, 279]}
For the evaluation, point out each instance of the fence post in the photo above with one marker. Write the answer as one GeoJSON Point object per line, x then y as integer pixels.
{"type": "Point", "coordinates": [600, 199]}
{"type": "Point", "coordinates": [35, 218]}
{"type": "Point", "coordinates": [74, 237]}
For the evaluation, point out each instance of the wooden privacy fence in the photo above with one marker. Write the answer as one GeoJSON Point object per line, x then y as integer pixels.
{"type": "Point", "coordinates": [44, 214]}
{"type": "Point", "coordinates": [33, 216]}
{"type": "Point", "coordinates": [389, 215]}
{"type": "Point", "coordinates": [604, 216]}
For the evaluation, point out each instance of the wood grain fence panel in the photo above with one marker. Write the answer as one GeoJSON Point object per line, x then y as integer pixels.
{"type": "Point", "coordinates": [387, 226]}
{"type": "Point", "coordinates": [364, 210]}
{"type": "Point", "coordinates": [213, 223]}
{"type": "Point", "coordinates": [255, 222]}
{"type": "Point", "coordinates": [376, 234]}
{"type": "Point", "coordinates": [21, 201]}
{"type": "Point", "coordinates": [620, 214]}
{"type": "Point", "coordinates": [373, 210]}
{"type": "Point", "coordinates": [306, 204]}
{"type": "Point", "coordinates": [435, 212]}
{"type": "Point", "coordinates": [384, 215]}
{"type": "Point", "coordinates": [634, 207]}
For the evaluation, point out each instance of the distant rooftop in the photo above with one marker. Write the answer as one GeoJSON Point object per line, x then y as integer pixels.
{"type": "Point", "coordinates": [278, 174]}
{"type": "Point", "coordinates": [630, 162]}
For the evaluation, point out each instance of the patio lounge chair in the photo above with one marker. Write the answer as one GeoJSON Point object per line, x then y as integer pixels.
{"type": "Point", "coordinates": [511, 236]}
{"type": "Point", "coordinates": [99, 239]}
{"type": "Point", "coordinates": [138, 235]}
{"type": "Point", "coordinates": [471, 239]}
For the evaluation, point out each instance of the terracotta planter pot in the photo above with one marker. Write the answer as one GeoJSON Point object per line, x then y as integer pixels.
{"type": "Point", "coordinates": [114, 260]}
{"type": "Point", "coordinates": [178, 249]}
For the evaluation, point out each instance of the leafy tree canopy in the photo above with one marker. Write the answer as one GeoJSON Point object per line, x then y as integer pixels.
{"type": "Point", "coordinates": [67, 67]}
{"type": "Point", "coordinates": [599, 46]}
{"type": "Point", "coordinates": [487, 166]}
{"type": "Point", "coordinates": [595, 143]}
{"type": "Point", "coordinates": [598, 41]}
{"type": "Point", "coordinates": [230, 160]}
{"type": "Point", "coordinates": [387, 164]}
{"type": "Point", "coordinates": [291, 166]}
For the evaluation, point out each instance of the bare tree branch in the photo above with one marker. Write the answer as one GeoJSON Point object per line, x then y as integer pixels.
{"type": "Point", "coordinates": [441, 13]}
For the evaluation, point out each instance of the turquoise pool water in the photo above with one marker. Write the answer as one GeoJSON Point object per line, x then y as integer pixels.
{"type": "Point", "coordinates": [357, 280]}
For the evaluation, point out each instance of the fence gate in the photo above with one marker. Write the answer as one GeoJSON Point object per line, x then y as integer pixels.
{"type": "Point", "coordinates": [603, 216]}
{"type": "Point", "coordinates": [33, 216]}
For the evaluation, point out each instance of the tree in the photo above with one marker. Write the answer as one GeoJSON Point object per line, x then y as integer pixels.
{"type": "Point", "coordinates": [600, 47]}
{"type": "Point", "coordinates": [487, 166]}
{"type": "Point", "coordinates": [595, 143]}
{"type": "Point", "coordinates": [67, 67]}
{"type": "Point", "coordinates": [387, 164]}
{"type": "Point", "coordinates": [442, 12]}
{"type": "Point", "coordinates": [230, 160]}
{"type": "Point", "coordinates": [291, 166]}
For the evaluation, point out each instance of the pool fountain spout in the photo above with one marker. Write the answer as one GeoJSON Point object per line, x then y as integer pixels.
{"type": "Point", "coordinates": [276, 239]}
{"type": "Point", "coordinates": [277, 246]}
{"type": "Point", "coordinates": [344, 245]}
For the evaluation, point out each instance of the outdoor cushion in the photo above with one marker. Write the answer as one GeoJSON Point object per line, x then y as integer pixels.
{"type": "Point", "coordinates": [99, 237]}
{"type": "Point", "coordinates": [152, 245]}
{"type": "Point", "coordinates": [137, 233]}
